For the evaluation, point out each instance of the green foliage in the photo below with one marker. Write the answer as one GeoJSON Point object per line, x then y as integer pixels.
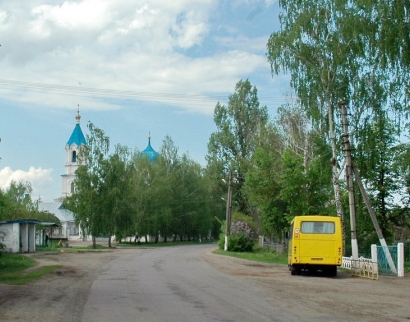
{"type": "Point", "coordinates": [2, 246]}
{"type": "Point", "coordinates": [240, 217]}
{"type": "Point", "coordinates": [221, 240]}
{"type": "Point", "coordinates": [239, 127]}
{"type": "Point", "coordinates": [357, 52]}
{"type": "Point", "coordinates": [14, 262]}
{"type": "Point", "coordinates": [257, 255]}
{"type": "Point", "coordinates": [242, 233]}
{"type": "Point", "coordinates": [125, 194]}
{"type": "Point", "coordinates": [13, 266]}
{"type": "Point", "coordinates": [240, 242]}
{"type": "Point", "coordinates": [16, 203]}
{"type": "Point", "coordinates": [101, 187]}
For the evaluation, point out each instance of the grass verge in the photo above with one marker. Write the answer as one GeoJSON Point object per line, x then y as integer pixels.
{"type": "Point", "coordinates": [72, 249]}
{"type": "Point", "coordinates": [13, 269]}
{"type": "Point", "coordinates": [258, 255]}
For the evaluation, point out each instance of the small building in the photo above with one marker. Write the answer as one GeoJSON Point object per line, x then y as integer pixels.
{"type": "Point", "coordinates": [67, 230]}
{"type": "Point", "coordinates": [20, 235]}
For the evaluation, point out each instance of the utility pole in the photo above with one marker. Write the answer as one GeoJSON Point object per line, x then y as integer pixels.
{"type": "Point", "coordinates": [349, 178]}
{"type": "Point", "coordinates": [228, 211]}
{"type": "Point", "coordinates": [374, 220]}
{"type": "Point", "coordinates": [350, 170]}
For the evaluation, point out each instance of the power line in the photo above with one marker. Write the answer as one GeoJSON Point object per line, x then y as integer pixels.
{"type": "Point", "coordinates": [120, 94]}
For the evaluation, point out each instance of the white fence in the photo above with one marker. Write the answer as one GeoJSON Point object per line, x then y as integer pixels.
{"type": "Point", "coordinates": [362, 267]}
{"type": "Point", "coordinates": [366, 267]}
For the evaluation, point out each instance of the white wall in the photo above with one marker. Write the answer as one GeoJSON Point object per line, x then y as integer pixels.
{"type": "Point", "coordinates": [12, 237]}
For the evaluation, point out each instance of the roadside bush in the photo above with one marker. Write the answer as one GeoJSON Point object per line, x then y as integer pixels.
{"type": "Point", "coordinates": [242, 234]}
{"type": "Point", "coordinates": [242, 227]}
{"type": "Point", "coordinates": [221, 241]}
{"type": "Point", "coordinates": [240, 242]}
{"type": "Point", "coordinates": [2, 246]}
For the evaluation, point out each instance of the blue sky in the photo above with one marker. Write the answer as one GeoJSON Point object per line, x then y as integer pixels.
{"type": "Point", "coordinates": [134, 68]}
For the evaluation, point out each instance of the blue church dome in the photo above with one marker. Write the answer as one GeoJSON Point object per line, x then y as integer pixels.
{"type": "Point", "coordinates": [149, 151]}
{"type": "Point", "coordinates": [77, 136]}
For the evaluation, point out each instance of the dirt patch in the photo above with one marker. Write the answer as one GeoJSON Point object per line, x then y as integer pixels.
{"type": "Point", "coordinates": [346, 297]}
{"type": "Point", "coordinates": [57, 296]}
{"type": "Point", "coordinates": [60, 296]}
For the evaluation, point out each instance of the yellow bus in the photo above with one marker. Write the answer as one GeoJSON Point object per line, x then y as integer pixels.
{"type": "Point", "coordinates": [315, 244]}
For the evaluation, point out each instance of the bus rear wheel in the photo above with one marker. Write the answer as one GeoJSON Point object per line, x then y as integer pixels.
{"type": "Point", "coordinates": [295, 271]}
{"type": "Point", "coordinates": [331, 271]}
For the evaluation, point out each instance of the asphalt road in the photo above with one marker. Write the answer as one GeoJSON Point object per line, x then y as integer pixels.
{"type": "Point", "coordinates": [175, 284]}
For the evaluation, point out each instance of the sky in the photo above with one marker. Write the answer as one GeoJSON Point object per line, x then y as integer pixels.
{"type": "Point", "coordinates": [134, 68]}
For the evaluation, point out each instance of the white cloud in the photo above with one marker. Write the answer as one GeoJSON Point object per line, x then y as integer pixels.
{"type": "Point", "coordinates": [38, 177]}
{"type": "Point", "coordinates": [88, 13]}
{"type": "Point", "coordinates": [139, 45]}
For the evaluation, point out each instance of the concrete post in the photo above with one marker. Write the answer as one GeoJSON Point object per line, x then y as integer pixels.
{"type": "Point", "coordinates": [374, 257]}
{"type": "Point", "coordinates": [400, 259]}
{"type": "Point", "coordinates": [24, 237]}
{"type": "Point", "coordinates": [374, 252]}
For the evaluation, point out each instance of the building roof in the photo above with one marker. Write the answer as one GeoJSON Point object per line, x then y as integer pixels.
{"type": "Point", "coordinates": [77, 136]}
{"type": "Point", "coordinates": [20, 221]}
{"type": "Point", "coordinates": [57, 209]}
{"type": "Point", "coordinates": [150, 152]}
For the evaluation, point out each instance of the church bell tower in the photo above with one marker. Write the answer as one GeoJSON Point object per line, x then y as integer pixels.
{"type": "Point", "coordinates": [72, 149]}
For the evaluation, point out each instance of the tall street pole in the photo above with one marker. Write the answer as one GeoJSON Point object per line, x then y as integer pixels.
{"type": "Point", "coordinates": [228, 211]}
{"type": "Point", "coordinates": [349, 177]}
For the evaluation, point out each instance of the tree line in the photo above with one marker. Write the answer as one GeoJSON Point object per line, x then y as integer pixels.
{"type": "Point", "coordinates": [16, 203]}
{"type": "Point", "coordinates": [336, 52]}
{"type": "Point", "coordinates": [125, 194]}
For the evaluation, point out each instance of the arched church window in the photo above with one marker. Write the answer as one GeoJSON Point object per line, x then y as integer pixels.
{"type": "Point", "coordinates": [72, 187]}
{"type": "Point", "coordinates": [74, 156]}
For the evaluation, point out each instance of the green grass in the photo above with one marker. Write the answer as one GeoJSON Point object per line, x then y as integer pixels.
{"type": "Point", "coordinates": [13, 266]}
{"type": "Point", "coordinates": [71, 249]}
{"type": "Point", "coordinates": [258, 255]}
{"type": "Point", "coordinates": [47, 249]}
{"type": "Point", "coordinates": [21, 277]}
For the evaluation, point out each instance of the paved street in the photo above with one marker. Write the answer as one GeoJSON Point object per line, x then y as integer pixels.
{"type": "Point", "coordinates": [174, 284]}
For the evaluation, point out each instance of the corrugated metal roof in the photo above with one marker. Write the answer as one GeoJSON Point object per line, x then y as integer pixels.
{"type": "Point", "coordinates": [77, 136]}
{"type": "Point", "coordinates": [57, 209]}
{"type": "Point", "coordinates": [20, 221]}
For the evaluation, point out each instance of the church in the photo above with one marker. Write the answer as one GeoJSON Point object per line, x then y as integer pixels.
{"type": "Point", "coordinates": [68, 230]}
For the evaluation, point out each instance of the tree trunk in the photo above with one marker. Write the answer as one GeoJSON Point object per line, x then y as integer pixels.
{"type": "Point", "coordinates": [94, 242]}
{"type": "Point", "coordinates": [109, 242]}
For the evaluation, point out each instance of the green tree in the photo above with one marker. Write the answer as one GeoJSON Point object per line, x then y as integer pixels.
{"type": "Point", "coordinates": [333, 52]}
{"type": "Point", "coordinates": [16, 203]}
{"type": "Point", "coordinates": [375, 156]}
{"type": "Point", "coordinates": [263, 183]}
{"type": "Point", "coordinates": [88, 199]}
{"type": "Point", "coordinates": [143, 195]}
{"type": "Point", "coordinates": [116, 205]}
{"type": "Point", "coordinates": [239, 126]}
